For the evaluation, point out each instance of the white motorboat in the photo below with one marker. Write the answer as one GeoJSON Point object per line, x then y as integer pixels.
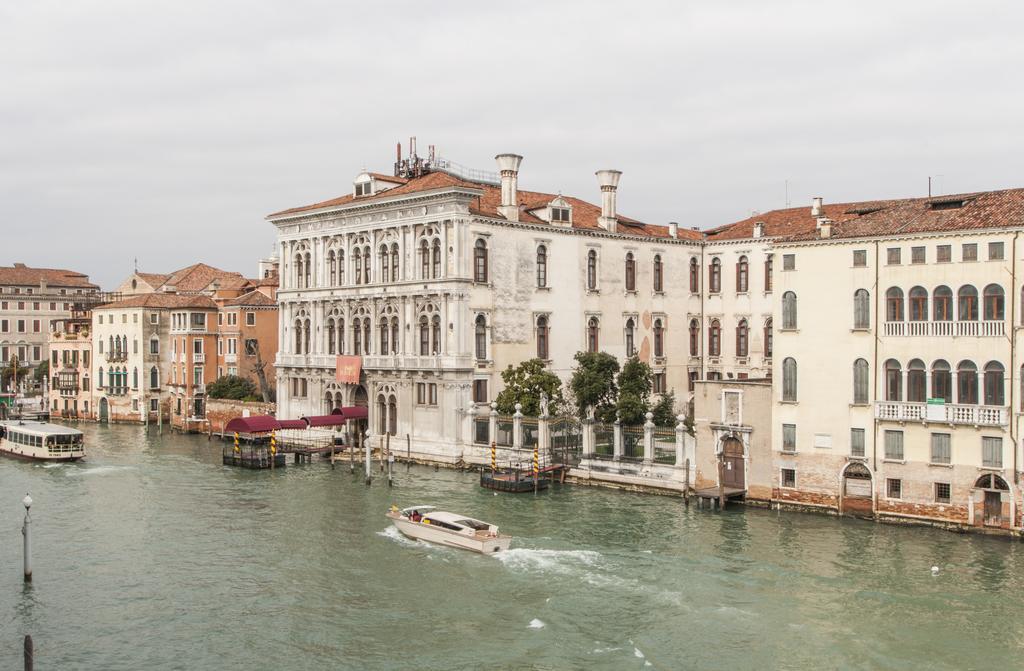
{"type": "Point", "coordinates": [436, 526]}
{"type": "Point", "coordinates": [41, 441]}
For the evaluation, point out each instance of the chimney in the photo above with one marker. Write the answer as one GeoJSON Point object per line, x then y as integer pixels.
{"type": "Point", "coordinates": [816, 206]}
{"type": "Point", "coordinates": [608, 180]}
{"type": "Point", "coordinates": [759, 229]}
{"type": "Point", "coordinates": [508, 165]}
{"type": "Point", "coordinates": [673, 229]}
{"type": "Point", "coordinates": [825, 228]}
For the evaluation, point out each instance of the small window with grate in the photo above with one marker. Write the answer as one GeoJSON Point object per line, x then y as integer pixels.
{"type": "Point", "coordinates": [789, 261]}
{"type": "Point", "coordinates": [860, 258]}
{"type": "Point", "coordinates": [995, 251]}
{"type": "Point", "coordinates": [944, 253]}
{"type": "Point", "coordinates": [942, 492]}
{"type": "Point", "coordinates": [917, 255]}
{"type": "Point", "coordinates": [894, 488]}
{"type": "Point", "coordinates": [892, 256]}
{"type": "Point", "coordinates": [970, 251]}
{"type": "Point", "coordinates": [789, 478]}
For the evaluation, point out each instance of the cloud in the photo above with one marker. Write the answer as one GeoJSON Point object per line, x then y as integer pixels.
{"type": "Point", "coordinates": [166, 131]}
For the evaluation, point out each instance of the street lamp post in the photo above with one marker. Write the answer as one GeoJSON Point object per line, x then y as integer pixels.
{"type": "Point", "coordinates": [26, 531]}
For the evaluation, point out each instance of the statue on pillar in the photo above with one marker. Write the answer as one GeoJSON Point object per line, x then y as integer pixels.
{"type": "Point", "coordinates": [543, 404]}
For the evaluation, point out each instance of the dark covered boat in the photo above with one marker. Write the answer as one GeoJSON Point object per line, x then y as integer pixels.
{"type": "Point", "coordinates": [513, 480]}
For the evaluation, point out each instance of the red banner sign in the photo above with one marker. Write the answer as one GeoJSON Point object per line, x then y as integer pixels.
{"type": "Point", "coordinates": [347, 369]}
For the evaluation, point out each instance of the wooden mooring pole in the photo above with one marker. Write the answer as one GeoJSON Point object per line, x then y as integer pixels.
{"type": "Point", "coordinates": [408, 452]}
{"type": "Point", "coordinates": [29, 652]}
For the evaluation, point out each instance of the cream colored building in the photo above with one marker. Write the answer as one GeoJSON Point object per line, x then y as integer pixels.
{"type": "Point", "coordinates": [439, 280]}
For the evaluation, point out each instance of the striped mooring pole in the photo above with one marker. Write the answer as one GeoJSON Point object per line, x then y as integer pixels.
{"type": "Point", "coordinates": [236, 443]}
{"type": "Point", "coordinates": [494, 457]}
{"type": "Point", "coordinates": [536, 462]}
{"type": "Point", "coordinates": [273, 447]}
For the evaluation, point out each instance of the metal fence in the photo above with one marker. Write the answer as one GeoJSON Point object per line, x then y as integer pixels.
{"type": "Point", "coordinates": [633, 443]}
{"type": "Point", "coordinates": [531, 433]}
{"type": "Point", "coordinates": [504, 437]}
{"type": "Point", "coordinates": [482, 431]}
{"type": "Point", "coordinates": [604, 441]}
{"type": "Point", "coordinates": [664, 445]}
{"type": "Point", "coordinates": [566, 440]}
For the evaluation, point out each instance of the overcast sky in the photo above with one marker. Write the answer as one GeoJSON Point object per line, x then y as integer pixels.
{"type": "Point", "coordinates": [167, 131]}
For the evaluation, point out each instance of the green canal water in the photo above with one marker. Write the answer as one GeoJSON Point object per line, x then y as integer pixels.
{"type": "Point", "coordinates": [152, 555]}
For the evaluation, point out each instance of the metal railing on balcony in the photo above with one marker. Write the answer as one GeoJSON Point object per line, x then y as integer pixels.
{"type": "Point", "coordinates": [946, 328]}
{"type": "Point", "coordinates": [946, 413]}
{"type": "Point", "coordinates": [116, 356]}
{"type": "Point", "coordinates": [198, 357]}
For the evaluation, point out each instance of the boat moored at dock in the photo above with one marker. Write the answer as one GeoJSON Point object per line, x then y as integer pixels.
{"type": "Point", "coordinates": [41, 441]}
{"type": "Point", "coordinates": [437, 526]}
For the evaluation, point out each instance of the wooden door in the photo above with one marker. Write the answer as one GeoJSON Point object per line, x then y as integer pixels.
{"type": "Point", "coordinates": [732, 464]}
{"type": "Point", "coordinates": [993, 509]}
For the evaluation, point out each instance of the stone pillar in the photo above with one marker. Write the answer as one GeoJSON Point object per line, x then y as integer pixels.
{"type": "Point", "coordinates": [493, 427]}
{"type": "Point", "coordinates": [544, 434]}
{"type": "Point", "coordinates": [587, 435]}
{"type": "Point", "coordinates": [680, 433]}
{"type": "Point", "coordinates": [517, 427]}
{"type": "Point", "coordinates": [469, 432]}
{"type": "Point", "coordinates": [649, 439]}
{"type": "Point", "coordinates": [617, 439]}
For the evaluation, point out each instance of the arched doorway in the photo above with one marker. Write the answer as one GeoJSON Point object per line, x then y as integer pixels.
{"type": "Point", "coordinates": [857, 490]}
{"type": "Point", "coordinates": [361, 400]}
{"type": "Point", "coordinates": [104, 410]}
{"type": "Point", "coordinates": [733, 474]}
{"type": "Point", "coordinates": [993, 487]}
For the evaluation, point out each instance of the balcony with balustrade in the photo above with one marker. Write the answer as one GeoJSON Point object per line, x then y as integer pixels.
{"type": "Point", "coordinates": [942, 413]}
{"type": "Point", "coordinates": [947, 329]}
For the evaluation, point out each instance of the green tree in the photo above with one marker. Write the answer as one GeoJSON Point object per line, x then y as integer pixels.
{"type": "Point", "coordinates": [9, 371]}
{"type": "Point", "coordinates": [593, 384]}
{"type": "Point", "coordinates": [634, 398]}
{"type": "Point", "coordinates": [42, 371]}
{"type": "Point", "coordinates": [232, 387]}
{"type": "Point", "coordinates": [665, 410]}
{"type": "Point", "coordinates": [524, 384]}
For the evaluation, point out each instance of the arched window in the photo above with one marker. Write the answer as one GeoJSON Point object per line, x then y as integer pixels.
{"type": "Point", "coordinates": [437, 260]}
{"type": "Point", "coordinates": [542, 337]}
{"type": "Point", "coordinates": [861, 309]}
{"type": "Point", "coordinates": [424, 336]}
{"type": "Point", "coordinates": [154, 378]}
{"type": "Point", "coordinates": [994, 387]}
{"type": "Point", "coordinates": [332, 267]}
{"type": "Point", "coordinates": [394, 262]}
{"type": "Point", "coordinates": [309, 269]}
{"type": "Point", "coordinates": [994, 303]}
{"type": "Point", "coordinates": [341, 336]}
{"type": "Point", "coordinates": [331, 337]}
{"type": "Point", "coordinates": [424, 260]}
{"type": "Point", "coordinates": [715, 276]}
{"type": "Point", "coordinates": [967, 383]}
{"type": "Point", "coordinates": [742, 275]}
{"type": "Point", "coordinates": [694, 337]}
{"type": "Point", "coordinates": [542, 266]}
{"type": "Point", "coordinates": [742, 336]}
{"type": "Point", "coordinates": [768, 273]}
{"type": "Point", "coordinates": [100, 377]}
{"type": "Point", "coordinates": [299, 275]}
{"type": "Point", "coordinates": [893, 380]}
{"type": "Point", "coordinates": [298, 336]}
{"type": "Point", "coordinates": [918, 299]}
{"type": "Point", "coordinates": [715, 338]}
{"type": "Point", "coordinates": [659, 339]}
{"type": "Point", "coordinates": [860, 381]}
{"type": "Point", "coordinates": [788, 311]}
{"type": "Point", "coordinates": [789, 379]}
{"type": "Point", "coordinates": [917, 376]}
{"type": "Point", "coordinates": [968, 304]}
{"type": "Point", "coordinates": [694, 275]}
{"type": "Point", "coordinates": [659, 280]}
{"type": "Point", "coordinates": [306, 335]}
{"type": "Point", "coordinates": [385, 262]}
{"type": "Point", "coordinates": [341, 267]}
{"type": "Point", "coordinates": [630, 272]}
{"type": "Point", "coordinates": [357, 259]}
{"type": "Point", "coordinates": [481, 337]}
{"type": "Point", "coordinates": [435, 334]}
{"type": "Point", "coordinates": [942, 381]}
{"type": "Point", "coordinates": [592, 270]}
{"type": "Point", "coordinates": [382, 414]}
{"type": "Point", "coordinates": [367, 266]}
{"type": "Point", "coordinates": [593, 331]}
{"type": "Point", "coordinates": [135, 378]}
{"type": "Point", "coordinates": [393, 415]}
{"type": "Point", "coordinates": [942, 304]}
{"type": "Point", "coordinates": [385, 331]}
{"type": "Point", "coordinates": [367, 337]}
{"type": "Point", "coordinates": [480, 261]}
{"type": "Point", "coordinates": [630, 327]}
{"type": "Point", "coordinates": [394, 335]}
{"type": "Point", "coordinates": [768, 339]}
{"type": "Point", "coordinates": [357, 336]}
{"type": "Point", "coordinates": [894, 304]}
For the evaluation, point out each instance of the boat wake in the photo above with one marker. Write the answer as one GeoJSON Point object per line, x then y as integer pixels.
{"type": "Point", "coordinates": [549, 561]}
{"type": "Point", "coordinates": [395, 535]}
{"type": "Point", "coordinates": [99, 470]}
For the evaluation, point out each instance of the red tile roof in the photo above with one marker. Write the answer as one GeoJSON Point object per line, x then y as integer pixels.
{"type": "Point", "coordinates": [584, 215]}
{"type": "Point", "coordinates": [253, 299]}
{"type": "Point", "coordinates": [982, 210]}
{"type": "Point", "coordinates": [161, 301]}
{"type": "Point", "coordinates": [21, 275]}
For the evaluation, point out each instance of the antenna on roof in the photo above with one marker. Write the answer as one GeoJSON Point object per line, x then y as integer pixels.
{"type": "Point", "coordinates": [136, 264]}
{"type": "Point", "coordinates": [787, 193]}
{"type": "Point", "coordinates": [929, 186]}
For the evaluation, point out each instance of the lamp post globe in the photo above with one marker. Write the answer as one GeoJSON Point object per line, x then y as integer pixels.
{"type": "Point", "coordinates": [27, 502]}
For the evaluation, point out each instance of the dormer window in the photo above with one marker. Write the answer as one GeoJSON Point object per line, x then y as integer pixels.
{"type": "Point", "coordinates": [363, 189]}
{"type": "Point", "coordinates": [560, 214]}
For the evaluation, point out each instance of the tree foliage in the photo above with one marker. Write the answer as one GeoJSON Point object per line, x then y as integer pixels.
{"type": "Point", "coordinates": [593, 384]}
{"type": "Point", "coordinates": [665, 410]}
{"type": "Point", "coordinates": [13, 366]}
{"type": "Point", "coordinates": [42, 371]}
{"type": "Point", "coordinates": [524, 384]}
{"type": "Point", "coordinates": [634, 397]}
{"type": "Point", "coordinates": [232, 387]}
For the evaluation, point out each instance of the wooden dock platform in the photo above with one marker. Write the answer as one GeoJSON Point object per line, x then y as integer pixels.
{"type": "Point", "coordinates": [718, 496]}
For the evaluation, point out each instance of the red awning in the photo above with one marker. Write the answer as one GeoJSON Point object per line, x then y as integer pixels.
{"type": "Point", "coordinates": [352, 412]}
{"type": "Point", "coordinates": [325, 420]}
{"type": "Point", "coordinates": [293, 424]}
{"type": "Point", "coordinates": [255, 424]}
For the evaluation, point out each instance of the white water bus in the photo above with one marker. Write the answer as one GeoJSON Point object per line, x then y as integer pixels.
{"type": "Point", "coordinates": [436, 526]}
{"type": "Point", "coordinates": [41, 441]}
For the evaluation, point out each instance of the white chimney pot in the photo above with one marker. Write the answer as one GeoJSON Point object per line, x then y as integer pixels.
{"type": "Point", "coordinates": [673, 229]}
{"type": "Point", "coordinates": [608, 180]}
{"type": "Point", "coordinates": [816, 206]}
{"type": "Point", "coordinates": [508, 165]}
